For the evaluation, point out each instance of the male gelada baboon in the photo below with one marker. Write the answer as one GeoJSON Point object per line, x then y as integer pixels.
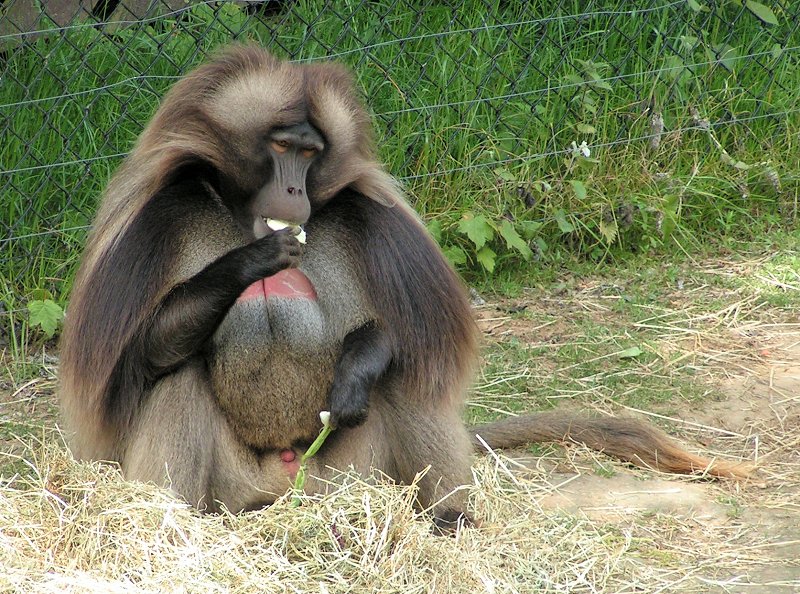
{"type": "Point", "coordinates": [201, 345]}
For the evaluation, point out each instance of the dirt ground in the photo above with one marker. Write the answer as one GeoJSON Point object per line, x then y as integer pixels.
{"type": "Point", "coordinates": [764, 514]}
{"type": "Point", "coordinates": [757, 522]}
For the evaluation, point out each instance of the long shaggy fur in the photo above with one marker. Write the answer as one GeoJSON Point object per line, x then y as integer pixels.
{"type": "Point", "coordinates": [128, 267]}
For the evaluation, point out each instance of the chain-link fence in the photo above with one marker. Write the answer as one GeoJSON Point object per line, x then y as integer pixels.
{"type": "Point", "coordinates": [455, 87]}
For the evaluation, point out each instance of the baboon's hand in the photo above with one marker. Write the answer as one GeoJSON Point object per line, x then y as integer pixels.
{"type": "Point", "coordinates": [348, 402]}
{"type": "Point", "coordinates": [448, 522]}
{"type": "Point", "coordinates": [272, 253]}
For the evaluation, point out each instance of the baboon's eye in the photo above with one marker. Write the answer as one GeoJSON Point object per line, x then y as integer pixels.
{"type": "Point", "coordinates": [280, 146]}
{"type": "Point", "coordinates": [309, 152]}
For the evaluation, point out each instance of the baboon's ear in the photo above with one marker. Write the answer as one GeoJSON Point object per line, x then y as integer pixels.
{"type": "Point", "coordinates": [379, 186]}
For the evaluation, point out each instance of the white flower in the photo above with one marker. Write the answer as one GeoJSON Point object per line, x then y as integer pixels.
{"type": "Point", "coordinates": [581, 149]}
{"type": "Point", "coordinates": [325, 417]}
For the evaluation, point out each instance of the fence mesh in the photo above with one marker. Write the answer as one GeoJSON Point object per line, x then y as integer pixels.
{"type": "Point", "coordinates": [446, 81]}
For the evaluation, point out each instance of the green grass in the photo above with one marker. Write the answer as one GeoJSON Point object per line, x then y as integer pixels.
{"type": "Point", "coordinates": [555, 80]}
{"type": "Point", "coordinates": [571, 344]}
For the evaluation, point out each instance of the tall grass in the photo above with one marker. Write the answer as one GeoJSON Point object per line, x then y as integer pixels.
{"type": "Point", "coordinates": [476, 106]}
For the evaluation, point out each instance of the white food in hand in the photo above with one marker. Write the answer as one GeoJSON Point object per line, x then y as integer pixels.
{"type": "Point", "coordinates": [278, 225]}
{"type": "Point", "coordinates": [325, 417]}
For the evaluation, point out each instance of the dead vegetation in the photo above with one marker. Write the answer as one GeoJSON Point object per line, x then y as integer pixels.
{"type": "Point", "coordinates": [79, 528]}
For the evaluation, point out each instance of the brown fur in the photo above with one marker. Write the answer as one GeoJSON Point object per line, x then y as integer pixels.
{"type": "Point", "coordinates": [163, 372]}
{"type": "Point", "coordinates": [627, 439]}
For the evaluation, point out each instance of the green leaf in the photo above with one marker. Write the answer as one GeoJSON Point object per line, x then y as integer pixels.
{"type": "Point", "coordinates": [514, 241]}
{"type": "Point", "coordinates": [674, 67]}
{"type": "Point", "coordinates": [669, 224]}
{"type": "Point", "coordinates": [726, 55]}
{"type": "Point", "coordinates": [671, 203]}
{"type": "Point", "coordinates": [762, 12]}
{"type": "Point", "coordinates": [742, 166]}
{"type": "Point", "coordinates": [586, 129]}
{"type": "Point", "coordinates": [630, 353]}
{"type": "Point", "coordinates": [486, 257]}
{"type": "Point", "coordinates": [505, 175]}
{"type": "Point", "coordinates": [40, 295]}
{"type": "Point", "coordinates": [689, 42]}
{"type": "Point", "coordinates": [456, 255]}
{"type": "Point", "coordinates": [578, 188]}
{"type": "Point", "coordinates": [777, 51]}
{"type": "Point", "coordinates": [694, 5]}
{"type": "Point", "coordinates": [601, 84]}
{"type": "Point", "coordinates": [609, 230]}
{"type": "Point", "coordinates": [477, 228]}
{"type": "Point", "coordinates": [435, 229]}
{"type": "Point", "coordinates": [529, 228]}
{"type": "Point", "coordinates": [45, 314]}
{"type": "Point", "coordinates": [670, 221]}
{"type": "Point", "coordinates": [563, 224]}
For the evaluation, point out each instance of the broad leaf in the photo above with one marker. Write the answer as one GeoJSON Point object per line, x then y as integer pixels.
{"type": "Point", "coordinates": [477, 228]}
{"type": "Point", "coordinates": [578, 188]}
{"type": "Point", "coordinates": [486, 257]}
{"type": "Point", "coordinates": [455, 255]}
{"type": "Point", "coordinates": [630, 353]}
{"type": "Point", "coordinates": [45, 314]}
{"type": "Point", "coordinates": [762, 12]}
{"type": "Point", "coordinates": [563, 224]}
{"type": "Point", "coordinates": [505, 175]}
{"type": "Point", "coordinates": [514, 241]}
{"type": "Point", "coordinates": [609, 231]}
{"type": "Point", "coordinates": [529, 228]}
{"type": "Point", "coordinates": [435, 229]}
{"type": "Point", "coordinates": [726, 55]}
{"type": "Point", "coordinates": [694, 5]}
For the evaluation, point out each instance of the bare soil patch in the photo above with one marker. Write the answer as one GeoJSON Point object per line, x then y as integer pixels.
{"type": "Point", "coordinates": [732, 537]}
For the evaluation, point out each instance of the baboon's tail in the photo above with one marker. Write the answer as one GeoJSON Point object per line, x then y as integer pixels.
{"type": "Point", "coordinates": [628, 439]}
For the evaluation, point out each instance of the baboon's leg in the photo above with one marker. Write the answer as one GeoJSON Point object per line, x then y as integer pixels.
{"type": "Point", "coordinates": [437, 438]}
{"type": "Point", "coordinates": [172, 441]}
{"type": "Point", "coordinates": [183, 441]}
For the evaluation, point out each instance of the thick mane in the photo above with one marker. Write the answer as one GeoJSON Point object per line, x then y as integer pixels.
{"type": "Point", "coordinates": [131, 249]}
{"type": "Point", "coordinates": [112, 302]}
{"type": "Point", "coordinates": [183, 131]}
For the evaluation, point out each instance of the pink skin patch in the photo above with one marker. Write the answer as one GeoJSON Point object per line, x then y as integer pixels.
{"type": "Point", "coordinates": [290, 461]}
{"type": "Point", "coordinates": [290, 283]}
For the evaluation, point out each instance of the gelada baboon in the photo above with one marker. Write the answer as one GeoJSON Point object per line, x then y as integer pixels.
{"type": "Point", "coordinates": [201, 344]}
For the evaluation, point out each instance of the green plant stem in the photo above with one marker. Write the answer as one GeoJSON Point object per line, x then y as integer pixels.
{"type": "Point", "coordinates": [300, 479]}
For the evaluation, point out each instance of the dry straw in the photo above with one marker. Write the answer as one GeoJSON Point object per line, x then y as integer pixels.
{"type": "Point", "coordinates": [73, 527]}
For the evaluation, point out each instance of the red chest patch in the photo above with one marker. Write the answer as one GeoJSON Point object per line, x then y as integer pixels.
{"type": "Point", "coordinates": [290, 283]}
